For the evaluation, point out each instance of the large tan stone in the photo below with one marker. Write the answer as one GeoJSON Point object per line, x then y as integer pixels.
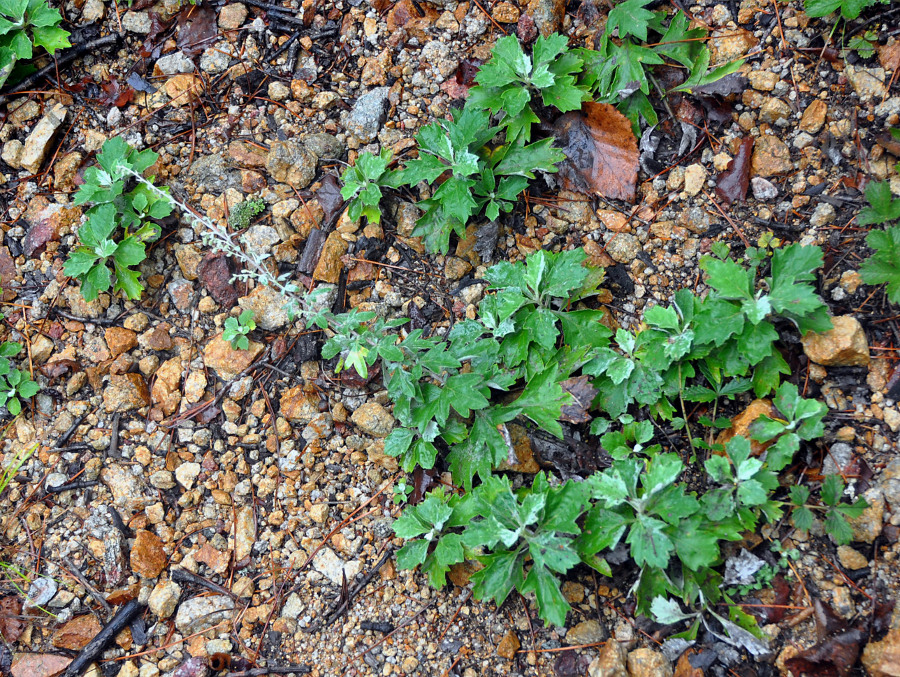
{"type": "Point", "coordinates": [844, 345]}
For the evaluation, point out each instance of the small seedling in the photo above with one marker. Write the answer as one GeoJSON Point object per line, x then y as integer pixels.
{"type": "Point", "coordinates": [237, 328]}
{"type": "Point", "coordinates": [363, 183]}
{"type": "Point", "coordinates": [121, 222]}
{"type": "Point", "coordinates": [402, 490]}
{"type": "Point", "coordinates": [15, 384]}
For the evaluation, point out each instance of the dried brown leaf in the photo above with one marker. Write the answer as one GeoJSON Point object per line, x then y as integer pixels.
{"type": "Point", "coordinates": [11, 626]}
{"type": "Point", "coordinates": [196, 29]}
{"type": "Point", "coordinates": [583, 394]}
{"type": "Point", "coordinates": [732, 184]}
{"type": "Point", "coordinates": [601, 152]}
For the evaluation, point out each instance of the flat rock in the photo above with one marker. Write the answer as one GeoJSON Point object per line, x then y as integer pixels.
{"type": "Point", "coordinates": [38, 665]}
{"type": "Point", "coordinates": [245, 533]}
{"type": "Point", "coordinates": [508, 646]}
{"type": "Point", "coordinates": [623, 247]}
{"type": "Point", "coordinates": [586, 632]}
{"type": "Point", "coordinates": [851, 559]}
{"type": "Point", "coordinates": [327, 563]}
{"type": "Point", "coordinates": [148, 558]}
{"type": "Point", "coordinates": [547, 15]}
{"type": "Point", "coordinates": [844, 345]}
{"type": "Point", "coordinates": [868, 83]}
{"type": "Point", "coordinates": [213, 173]}
{"type": "Point", "coordinates": [75, 634]}
{"type": "Point", "coordinates": [120, 340]}
{"type": "Point", "coordinates": [882, 659]}
{"type": "Point", "coordinates": [648, 663]}
{"type": "Point", "coordinates": [611, 662]}
{"type": "Point", "coordinates": [126, 487]}
{"type": "Point", "coordinates": [368, 114]}
{"type": "Point", "coordinates": [187, 474]}
{"type": "Point", "coordinates": [225, 360]}
{"type": "Point", "coordinates": [299, 404]}
{"type": "Point", "coordinates": [38, 142]}
{"type": "Point", "coordinates": [201, 613]}
{"type": "Point", "coordinates": [164, 598]}
{"type": "Point", "coordinates": [291, 162]}
{"type": "Point", "coordinates": [267, 306]}
{"type": "Point", "coordinates": [373, 419]}
{"type": "Point", "coordinates": [125, 392]}
{"type": "Point", "coordinates": [771, 157]}
{"type": "Point", "coordinates": [814, 117]}
{"type": "Point", "coordinates": [328, 269]}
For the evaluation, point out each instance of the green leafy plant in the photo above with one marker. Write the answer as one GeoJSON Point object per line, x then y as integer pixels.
{"type": "Point", "coordinates": [401, 491]}
{"type": "Point", "coordinates": [363, 183]}
{"type": "Point", "coordinates": [15, 384]}
{"type": "Point", "coordinates": [511, 82]}
{"type": "Point", "coordinates": [538, 356]}
{"type": "Point", "coordinates": [476, 179]}
{"type": "Point", "coordinates": [835, 512]}
{"type": "Point", "coordinates": [883, 267]}
{"type": "Point", "coordinates": [618, 71]}
{"type": "Point", "coordinates": [119, 224]}
{"type": "Point", "coordinates": [533, 524]}
{"type": "Point", "coordinates": [24, 26]}
{"type": "Point", "coordinates": [237, 328]}
{"type": "Point", "coordinates": [849, 9]}
{"type": "Point", "coordinates": [240, 215]}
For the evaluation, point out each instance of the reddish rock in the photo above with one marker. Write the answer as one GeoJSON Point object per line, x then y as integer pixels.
{"type": "Point", "coordinates": [329, 267]}
{"type": "Point", "coordinates": [125, 392]}
{"type": "Point", "coordinates": [148, 558]}
{"type": "Point", "coordinates": [228, 362]}
{"type": "Point", "coordinates": [246, 154]}
{"type": "Point", "coordinates": [157, 338]}
{"type": "Point", "coordinates": [75, 634]}
{"type": "Point", "coordinates": [120, 340]}
{"type": "Point", "coordinates": [299, 404]}
{"type": "Point", "coordinates": [38, 665]}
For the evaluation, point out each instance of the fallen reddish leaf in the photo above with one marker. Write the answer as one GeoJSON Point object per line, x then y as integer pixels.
{"type": "Point", "coordinates": [329, 197]}
{"type": "Point", "coordinates": [352, 379]}
{"type": "Point", "coordinates": [76, 634]}
{"type": "Point", "coordinates": [38, 665]}
{"type": "Point", "coordinates": [214, 273]}
{"type": "Point", "coordinates": [11, 626]}
{"type": "Point", "coordinates": [196, 29]}
{"type": "Point", "coordinates": [601, 152]}
{"type": "Point", "coordinates": [732, 184]}
{"type": "Point", "coordinates": [115, 93]}
{"type": "Point", "coordinates": [53, 370]}
{"type": "Point", "coordinates": [889, 56]}
{"type": "Point", "coordinates": [7, 274]}
{"type": "Point", "coordinates": [583, 394]}
{"type": "Point", "coordinates": [837, 650]}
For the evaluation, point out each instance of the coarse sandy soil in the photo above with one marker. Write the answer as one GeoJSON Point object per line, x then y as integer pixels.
{"type": "Point", "coordinates": [235, 493]}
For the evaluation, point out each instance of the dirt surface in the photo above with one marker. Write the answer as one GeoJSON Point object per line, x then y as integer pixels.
{"type": "Point", "coordinates": [237, 498]}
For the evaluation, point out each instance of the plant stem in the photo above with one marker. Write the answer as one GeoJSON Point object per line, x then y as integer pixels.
{"type": "Point", "coordinates": [687, 426]}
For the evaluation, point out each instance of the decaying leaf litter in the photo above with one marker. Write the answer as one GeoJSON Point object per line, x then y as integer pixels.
{"type": "Point", "coordinates": [218, 491]}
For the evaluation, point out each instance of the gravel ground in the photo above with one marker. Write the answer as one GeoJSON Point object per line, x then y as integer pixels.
{"type": "Point", "coordinates": [235, 503]}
